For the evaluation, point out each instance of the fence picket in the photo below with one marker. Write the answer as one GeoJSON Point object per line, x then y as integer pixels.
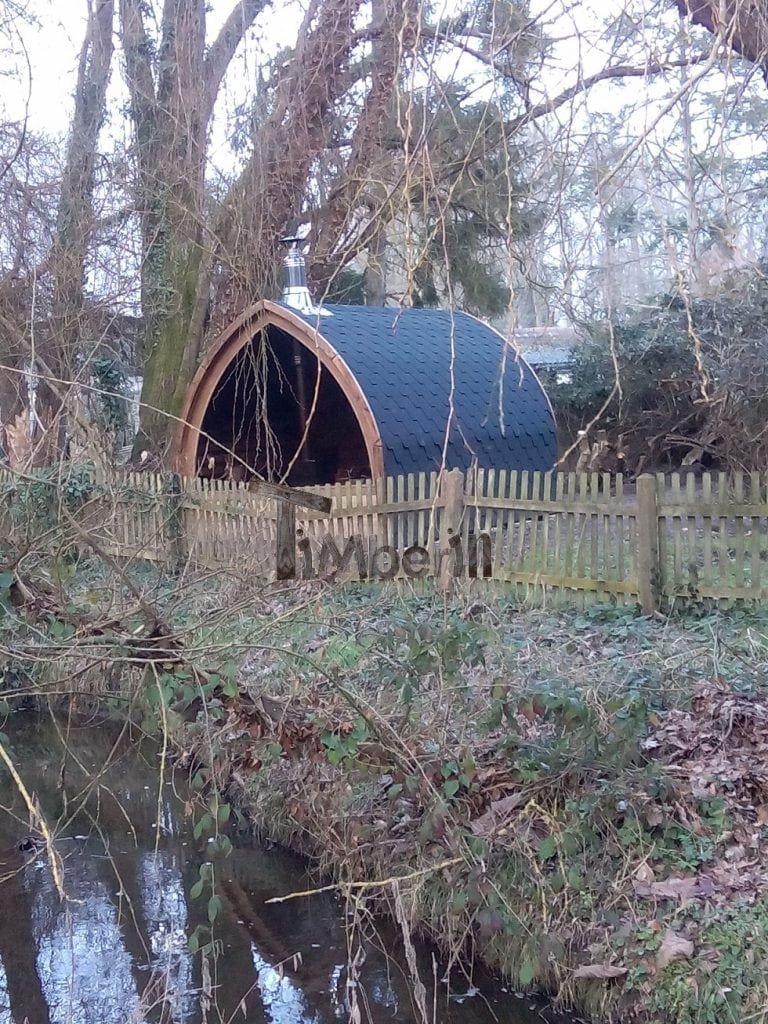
{"type": "Point", "coordinates": [554, 532]}
{"type": "Point", "coordinates": [559, 493]}
{"type": "Point", "coordinates": [583, 522]}
{"type": "Point", "coordinates": [594, 525]}
{"type": "Point", "coordinates": [545, 552]}
{"type": "Point", "coordinates": [690, 533]}
{"type": "Point", "coordinates": [707, 522]}
{"type": "Point", "coordinates": [754, 531]}
{"type": "Point", "coordinates": [534, 527]}
{"type": "Point", "coordinates": [724, 557]}
{"type": "Point", "coordinates": [739, 531]}
{"type": "Point", "coordinates": [621, 567]}
{"type": "Point", "coordinates": [502, 519]}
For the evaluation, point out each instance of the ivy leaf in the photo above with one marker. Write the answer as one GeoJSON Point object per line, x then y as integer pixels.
{"type": "Point", "coordinates": [574, 878]}
{"type": "Point", "coordinates": [230, 688]}
{"type": "Point", "coordinates": [527, 973]}
{"type": "Point", "coordinates": [547, 848]}
{"type": "Point", "coordinates": [451, 788]}
{"type": "Point", "coordinates": [197, 890]}
{"type": "Point", "coordinates": [214, 906]}
{"type": "Point", "coordinates": [205, 824]}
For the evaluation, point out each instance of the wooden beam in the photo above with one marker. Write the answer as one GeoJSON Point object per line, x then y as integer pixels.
{"type": "Point", "coordinates": [286, 541]}
{"type": "Point", "coordinates": [291, 495]}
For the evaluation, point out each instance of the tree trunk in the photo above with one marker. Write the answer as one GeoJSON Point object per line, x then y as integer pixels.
{"type": "Point", "coordinates": [272, 188]}
{"type": "Point", "coordinates": [375, 277]}
{"type": "Point", "coordinates": [172, 102]}
{"type": "Point", "coordinates": [395, 27]}
{"type": "Point", "coordinates": [741, 24]}
{"type": "Point", "coordinates": [74, 225]}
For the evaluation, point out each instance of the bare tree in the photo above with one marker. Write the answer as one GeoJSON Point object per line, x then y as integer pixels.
{"type": "Point", "coordinates": [75, 222]}
{"type": "Point", "coordinates": [173, 84]}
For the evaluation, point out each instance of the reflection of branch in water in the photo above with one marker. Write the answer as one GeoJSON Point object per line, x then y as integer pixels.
{"type": "Point", "coordinates": [243, 909]}
{"type": "Point", "coordinates": [36, 820]}
{"type": "Point", "coordinates": [18, 948]}
{"type": "Point", "coordinates": [277, 966]}
{"type": "Point", "coordinates": [229, 975]}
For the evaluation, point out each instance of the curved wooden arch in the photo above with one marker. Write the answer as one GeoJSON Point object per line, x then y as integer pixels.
{"type": "Point", "coordinates": [239, 334]}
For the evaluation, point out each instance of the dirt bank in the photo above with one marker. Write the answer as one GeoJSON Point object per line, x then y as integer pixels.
{"type": "Point", "coordinates": [579, 800]}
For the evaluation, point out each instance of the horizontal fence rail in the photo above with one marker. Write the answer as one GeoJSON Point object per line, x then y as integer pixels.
{"type": "Point", "coordinates": [587, 536]}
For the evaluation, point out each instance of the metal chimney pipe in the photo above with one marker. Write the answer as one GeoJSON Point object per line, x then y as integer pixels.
{"type": "Point", "coordinates": [295, 292]}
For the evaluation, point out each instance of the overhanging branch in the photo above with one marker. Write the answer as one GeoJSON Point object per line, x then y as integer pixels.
{"type": "Point", "coordinates": [585, 84]}
{"type": "Point", "coordinates": [222, 49]}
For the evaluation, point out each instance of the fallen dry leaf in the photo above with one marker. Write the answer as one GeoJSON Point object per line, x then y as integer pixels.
{"type": "Point", "coordinates": [599, 971]}
{"type": "Point", "coordinates": [673, 947]}
{"type": "Point", "coordinates": [654, 815]}
{"type": "Point", "coordinates": [674, 888]}
{"type": "Point", "coordinates": [644, 874]}
{"type": "Point", "coordinates": [487, 823]}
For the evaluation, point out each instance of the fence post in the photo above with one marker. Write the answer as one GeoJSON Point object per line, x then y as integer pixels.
{"type": "Point", "coordinates": [452, 488]}
{"type": "Point", "coordinates": [647, 559]}
{"type": "Point", "coordinates": [286, 540]}
{"type": "Point", "coordinates": [174, 520]}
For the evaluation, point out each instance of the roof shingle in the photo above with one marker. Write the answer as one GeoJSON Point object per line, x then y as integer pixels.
{"type": "Point", "coordinates": [410, 363]}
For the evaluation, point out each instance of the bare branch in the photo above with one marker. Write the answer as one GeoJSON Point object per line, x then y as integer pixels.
{"type": "Point", "coordinates": [398, 28]}
{"type": "Point", "coordinates": [222, 49]}
{"type": "Point", "coordinates": [585, 84]}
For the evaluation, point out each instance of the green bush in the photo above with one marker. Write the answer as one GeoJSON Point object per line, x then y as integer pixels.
{"type": "Point", "coordinates": [692, 378]}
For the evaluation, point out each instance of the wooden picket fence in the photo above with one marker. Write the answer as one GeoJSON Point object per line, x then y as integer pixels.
{"type": "Point", "coordinates": [577, 536]}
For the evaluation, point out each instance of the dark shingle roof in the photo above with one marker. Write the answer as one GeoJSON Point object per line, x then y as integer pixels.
{"type": "Point", "coordinates": [402, 361]}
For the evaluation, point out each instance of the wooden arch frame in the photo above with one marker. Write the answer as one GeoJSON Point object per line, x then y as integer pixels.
{"type": "Point", "coordinates": [239, 334]}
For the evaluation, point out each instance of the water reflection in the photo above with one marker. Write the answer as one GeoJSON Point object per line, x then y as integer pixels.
{"type": "Point", "coordinates": [84, 971]}
{"type": "Point", "coordinates": [165, 913]}
{"type": "Point", "coordinates": [282, 1001]}
{"type": "Point", "coordinates": [116, 952]}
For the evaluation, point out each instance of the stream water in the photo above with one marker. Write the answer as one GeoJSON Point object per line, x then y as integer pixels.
{"type": "Point", "coordinates": [115, 951]}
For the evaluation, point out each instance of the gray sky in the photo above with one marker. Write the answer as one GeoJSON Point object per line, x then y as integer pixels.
{"type": "Point", "coordinates": [52, 47]}
{"type": "Point", "coordinates": [53, 44]}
